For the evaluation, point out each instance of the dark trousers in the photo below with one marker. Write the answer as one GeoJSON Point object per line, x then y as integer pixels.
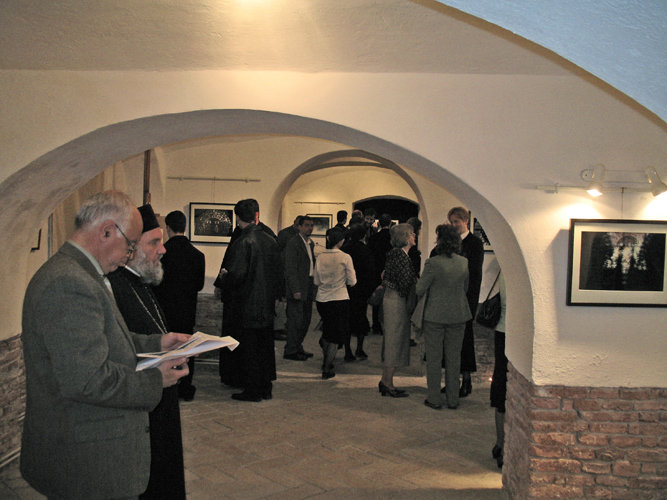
{"type": "Point", "coordinates": [230, 364]}
{"type": "Point", "coordinates": [299, 314]}
{"type": "Point", "coordinates": [468, 361]}
{"type": "Point", "coordinates": [359, 325]}
{"type": "Point", "coordinates": [258, 360]}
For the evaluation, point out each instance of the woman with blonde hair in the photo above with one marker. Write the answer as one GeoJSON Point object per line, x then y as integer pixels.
{"type": "Point", "coordinates": [398, 280]}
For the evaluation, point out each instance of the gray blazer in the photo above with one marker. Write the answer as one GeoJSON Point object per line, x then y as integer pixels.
{"type": "Point", "coordinates": [446, 279]}
{"type": "Point", "coordinates": [85, 434]}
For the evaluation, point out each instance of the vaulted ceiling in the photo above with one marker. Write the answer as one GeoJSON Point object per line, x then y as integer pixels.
{"type": "Point", "coordinates": [373, 36]}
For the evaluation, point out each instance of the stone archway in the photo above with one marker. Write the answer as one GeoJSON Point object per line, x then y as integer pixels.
{"type": "Point", "coordinates": [27, 199]}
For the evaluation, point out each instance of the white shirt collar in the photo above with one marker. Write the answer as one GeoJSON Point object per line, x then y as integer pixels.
{"type": "Point", "coordinates": [92, 259]}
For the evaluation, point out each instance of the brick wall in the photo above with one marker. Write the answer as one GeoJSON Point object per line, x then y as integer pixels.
{"type": "Point", "coordinates": [585, 442]}
{"type": "Point", "coordinates": [12, 398]}
{"type": "Point", "coordinates": [209, 320]}
{"type": "Point", "coordinates": [209, 314]}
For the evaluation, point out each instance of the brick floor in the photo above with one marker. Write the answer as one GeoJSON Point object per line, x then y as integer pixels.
{"type": "Point", "coordinates": [333, 439]}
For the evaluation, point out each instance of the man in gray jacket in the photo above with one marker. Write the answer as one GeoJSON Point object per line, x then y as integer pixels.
{"type": "Point", "coordinates": [85, 434]}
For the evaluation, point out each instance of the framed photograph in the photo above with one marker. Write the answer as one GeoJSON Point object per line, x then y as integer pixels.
{"type": "Point", "coordinates": [617, 263]}
{"type": "Point", "coordinates": [477, 230]}
{"type": "Point", "coordinates": [322, 223]}
{"type": "Point", "coordinates": [36, 245]}
{"type": "Point", "coordinates": [211, 222]}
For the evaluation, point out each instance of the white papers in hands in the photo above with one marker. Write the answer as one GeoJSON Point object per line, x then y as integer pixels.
{"type": "Point", "coordinates": [198, 343]}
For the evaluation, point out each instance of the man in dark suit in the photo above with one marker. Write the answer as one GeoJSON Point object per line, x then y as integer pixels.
{"type": "Point", "coordinates": [139, 306]}
{"type": "Point", "coordinates": [184, 273]}
{"type": "Point", "coordinates": [85, 434]}
{"type": "Point", "coordinates": [379, 244]}
{"type": "Point", "coordinates": [299, 261]}
{"type": "Point", "coordinates": [287, 233]}
{"type": "Point", "coordinates": [250, 282]}
{"type": "Point", "coordinates": [341, 220]}
{"type": "Point", "coordinates": [472, 249]}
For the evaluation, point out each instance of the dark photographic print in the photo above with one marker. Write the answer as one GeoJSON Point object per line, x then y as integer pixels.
{"type": "Point", "coordinates": [622, 261]}
{"type": "Point", "coordinates": [211, 222]}
{"type": "Point", "coordinates": [321, 223]}
{"type": "Point", "coordinates": [616, 262]}
{"type": "Point", "coordinates": [478, 231]}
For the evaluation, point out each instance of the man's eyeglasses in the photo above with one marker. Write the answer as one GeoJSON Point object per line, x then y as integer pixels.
{"type": "Point", "coordinates": [130, 246]}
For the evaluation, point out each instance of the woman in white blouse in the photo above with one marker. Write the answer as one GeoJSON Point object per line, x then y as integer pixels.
{"type": "Point", "coordinates": [334, 272]}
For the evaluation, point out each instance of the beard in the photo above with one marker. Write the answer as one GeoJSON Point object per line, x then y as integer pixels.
{"type": "Point", "coordinates": [151, 272]}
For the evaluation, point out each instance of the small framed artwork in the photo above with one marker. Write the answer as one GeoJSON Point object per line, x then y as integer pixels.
{"type": "Point", "coordinates": [211, 222]}
{"type": "Point", "coordinates": [36, 244]}
{"type": "Point", "coordinates": [321, 223]}
{"type": "Point", "coordinates": [617, 263]}
{"type": "Point", "coordinates": [478, 231]}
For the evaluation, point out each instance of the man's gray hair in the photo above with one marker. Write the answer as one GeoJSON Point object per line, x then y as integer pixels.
{"type": "Point", "coordinates": [108, 205]}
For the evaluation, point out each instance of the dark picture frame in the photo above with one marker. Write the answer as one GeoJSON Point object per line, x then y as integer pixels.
{"type": "Point", "coordinates": [211, 222]}
{"type": "Point", "coordinates": [478, 230]}
{"type": "Point", "coordinates": [321, 223]}
{"type": "Point", "coordinates": [36, 245]}
{"type": "Point", "coordinates": [613, 262]}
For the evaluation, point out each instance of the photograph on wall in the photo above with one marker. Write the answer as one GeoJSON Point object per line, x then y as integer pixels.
{"type": "Point", "coordinates": [478, 231]}
{"type": "Point", "coordinates": [617, 262]}
{"type": "Point", "coordinates": [36, 245]}
{"type": "Point", "coordinates": [211, 222]}
{"type": "Point", "coordinates": [321, 223]}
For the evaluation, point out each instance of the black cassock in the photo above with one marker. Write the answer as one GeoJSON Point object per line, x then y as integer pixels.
{"type": "Point", "coordinates": [139, 307]}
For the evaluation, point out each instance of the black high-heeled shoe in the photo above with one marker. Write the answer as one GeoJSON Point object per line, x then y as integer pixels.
{"type": "Point", "coordinates": [394, 393]}
{"type": "Point", "coordinates": [466, 388]}
{"type": "Point", "coordinates": [381, 385]}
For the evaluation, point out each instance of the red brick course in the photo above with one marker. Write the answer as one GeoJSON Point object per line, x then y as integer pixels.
{"type": "Point", "coordinates": [12, 397]}
{"type": "Point", "coordinates": [584, 443]}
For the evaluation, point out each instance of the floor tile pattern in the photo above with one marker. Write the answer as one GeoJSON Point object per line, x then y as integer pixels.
{"type": "Point", "coordinates": [330, 439]}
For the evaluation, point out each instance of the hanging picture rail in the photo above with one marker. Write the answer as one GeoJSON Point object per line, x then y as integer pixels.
{"type": "Point", "coordinates": [221, 179]}
{"type": "Point", "coordinates": [320, 202]}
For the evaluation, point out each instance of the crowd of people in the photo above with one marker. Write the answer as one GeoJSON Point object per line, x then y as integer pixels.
{"type": "Point", "coordinates": [115, 290]}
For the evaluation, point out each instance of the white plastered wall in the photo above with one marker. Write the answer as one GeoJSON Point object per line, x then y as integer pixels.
{"type": "Point", "coordinates": [488, 139]}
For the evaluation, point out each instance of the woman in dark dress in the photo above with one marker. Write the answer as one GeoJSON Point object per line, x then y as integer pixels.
{"type": "Point", "coordinates": [364, 268]}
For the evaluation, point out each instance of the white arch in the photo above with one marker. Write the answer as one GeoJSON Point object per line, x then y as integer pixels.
{"type": "Point", "coordinates": [33, 201]}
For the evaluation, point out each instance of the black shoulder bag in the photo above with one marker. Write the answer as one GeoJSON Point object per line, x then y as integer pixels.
{"type": "Point", "coordinates": [488, 314]}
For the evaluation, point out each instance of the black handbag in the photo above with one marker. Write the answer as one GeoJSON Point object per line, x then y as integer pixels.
{"type": "Point", "coordinates": [377, 297]}
{"type": "Point", "coordinates": [488, 314]}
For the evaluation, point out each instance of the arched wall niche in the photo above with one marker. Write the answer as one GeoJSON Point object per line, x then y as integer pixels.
{"type": "Point", "coordinates": [27, 199]}
{"type": "Point", "coordinates": [334, 158]}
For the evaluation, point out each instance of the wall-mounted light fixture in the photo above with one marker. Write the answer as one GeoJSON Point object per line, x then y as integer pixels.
{"type": "Point", "coordinates": [657, 186]}
{"type": "Point", "coordinates": [595, 187]}
{"type": "Point", "coordinates": [600, 180]}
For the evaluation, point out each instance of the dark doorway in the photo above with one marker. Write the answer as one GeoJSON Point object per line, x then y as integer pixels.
{"type": "Point", "coordinates": [400, 209]}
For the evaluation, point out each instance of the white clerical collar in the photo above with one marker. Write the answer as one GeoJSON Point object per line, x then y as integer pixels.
{"type": "Point", "coordinates": [132, 271]}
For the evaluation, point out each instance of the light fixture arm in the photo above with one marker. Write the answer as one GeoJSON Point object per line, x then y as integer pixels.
{"type": "Point", "coordinates": [595, 187]}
